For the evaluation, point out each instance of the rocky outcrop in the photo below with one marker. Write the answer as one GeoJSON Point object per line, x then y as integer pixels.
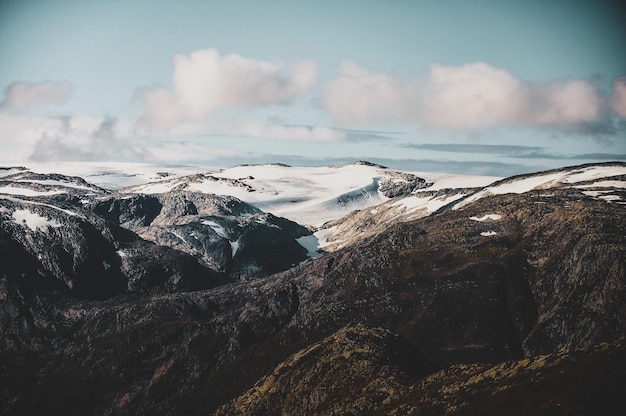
{"type": "Point", "coordinates": [401, 184]}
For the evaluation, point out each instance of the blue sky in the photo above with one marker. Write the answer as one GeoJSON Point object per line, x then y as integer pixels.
{"type": "Point", "coordinates": [493, 87]}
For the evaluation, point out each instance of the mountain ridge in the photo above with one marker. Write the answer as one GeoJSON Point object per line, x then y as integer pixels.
{"type": "Point", "coordinates": [490, 298]}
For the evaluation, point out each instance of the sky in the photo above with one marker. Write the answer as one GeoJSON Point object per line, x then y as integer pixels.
{"type": "Point", "coordinates": [479, 87]}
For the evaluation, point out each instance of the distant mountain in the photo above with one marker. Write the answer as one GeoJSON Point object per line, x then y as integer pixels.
{"type": "Point", "coordinates": [447, 296]}
{"type": "Point", "coordinates": [599, 181]}
{"type": "Point", "coordinates": [224, 233]}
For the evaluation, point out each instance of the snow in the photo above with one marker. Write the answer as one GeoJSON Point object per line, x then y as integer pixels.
{"type": "Point", "coordinates": [218, 188]}
{"type": "Point", "coordinates": [450, 181]}
{"type": "Point", "coordinates": [604, 184]}
{"type": "Point", "coordinates": [10, 190]}
{"type": "Point", "coordinates": [180, 237]}
{"type": "Point", "coordinates": [155, 188]}
{"type": "Point", "coordinates": [54, 182]}
{"type": "Point", "coordinates": [322, 237]}
{"type": "Point", "coordinates": [234, 246]}
{"type": "Point", "coordinates": [307, 195]}
{"type": "Point", "coordinates": [430, 204]}
{"type": "Point", "coordinates": [116, 175]}
{"type": "Point", "coordinates": [543, 181]}
{"type": "Point", "coordinates": [310, 196]}
{"type": "Point", "coordinates": [121, 253]}
{"type": "Point", "coordinates": [23, 201]}
{"type": "Point", "coordinates": [593, 172]}
{"type": "Point", "coordinates": [488, 233]}
{"type": "Point", "coordinates": [492, 217]}
{"type": "Point", "coordinates": [33, 220]}
{"type": "Point", "coordinates": [610, 198]}
{"type": "Point", "coordinates": [216, 227]}
{"type": "Point", "coordinates": [10, 171]}
{"type": "Point", "coordinates": [595, 193]}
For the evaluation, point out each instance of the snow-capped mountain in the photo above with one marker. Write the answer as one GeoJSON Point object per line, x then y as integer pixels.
{"type": "Point", "coordinates": [309, 196]}
{"type": "Point", "coordinates": [223, 232]}
{"type": "Point", "coordinates": [605, 182]}
{"type": "Point", "coordinates": [440, 294]}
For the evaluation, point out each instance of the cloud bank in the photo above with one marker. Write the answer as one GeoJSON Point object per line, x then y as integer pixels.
{"type": "Point", "coordinates": [21, 96]}
{"type": "Point", "coordinates": [361, 96]}
{"type": "Point", "coordinates": [205, 81]}
{"type": "Point", "coordinates": [618, 101]}
{"type": "Point", "coordinates": [85, 139]}
{"type": "Point", "coordinates": [466, 97]}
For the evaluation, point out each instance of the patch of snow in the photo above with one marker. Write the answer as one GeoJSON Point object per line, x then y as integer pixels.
{"type": "Point", "coordinates": [155, 188]}
{"type": "Point", "coordinates": [116, 175]}
{"type": "Point", "coordinates": [488, 233]}
{"type": "Point", "coordinates": [121, 253]}
{"type": "Point", "coordinates": [180, 237]}
{"type": "Point", "coordinates": [216, 227]}
{"type": "Point", "coordinates": [234, 246]}
{"type": "Point", "coordinates": [430, 204]}
{"type": "Point", "coordinates": [33, 220]}
{"type": "Point", "coordinates": [449, 181]}
{"type": "Point", "coordinates": [54, 182]}
{"type": "Point", "coordinates": [593, 172]}
{"type": "Point", "coordinates": [604, 184]}
{"type": "Point", "coordinates": [610, 198]}
{"type": "Point", "coordinates": [9, 172]}
{"type": "Point", "coordinates": [322, 236]}
{"type": "Point", "coordinates": [527, 184]}
{"type": "Point", "coordinates": [23, 201]}
{"type": "Point", "coordinates": [10, 190]}
{"type": "Point", "coordinates": [492, 217]}
{"type": "Point", "coordinates": [596, 193]}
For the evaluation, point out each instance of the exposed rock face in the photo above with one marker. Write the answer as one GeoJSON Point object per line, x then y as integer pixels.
{"type": "Point", "coordinates": [401, 185]}
{"type": "Point", "coordinates": [223, 232]}
{"type": "Point", "coordinates": [513, 303]}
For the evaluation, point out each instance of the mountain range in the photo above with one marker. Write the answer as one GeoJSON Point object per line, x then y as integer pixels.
{"type": "Point", "coordinates": [271, 289]}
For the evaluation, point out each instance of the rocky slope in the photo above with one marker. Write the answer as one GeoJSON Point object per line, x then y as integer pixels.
{"type": "Point", "coordinates": [224, 233]}
{"type": "Point", "coordinates": [511, 303]}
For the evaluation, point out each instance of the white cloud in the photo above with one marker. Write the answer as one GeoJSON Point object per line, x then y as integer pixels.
{"type": "Point", "coordinates": [21, 96]}
{"type": "Point", "coordinates": [77, 138]}
{"type": "Point", "coordinates": [282, 132]}
{"type": "Point", "coordinates": [205, 81]}
{"type": "Point", "coordinates": [469, 96]}
{"type": "Point", "coordinates": [465, 97]}
{"type": "Point", "coordinates": [562, 102]}
{"type": "Point", "coordinates": [361, 96]}
{"type": "Point", "coordinates": [618, 101]}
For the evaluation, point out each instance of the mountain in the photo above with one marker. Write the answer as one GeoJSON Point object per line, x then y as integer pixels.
{"type": "Point", "coordinates": [506, 299]}
{"type": "Point", "coordinates": [224, 233]}
{"type": "Point", "coordinates": [600, 181]}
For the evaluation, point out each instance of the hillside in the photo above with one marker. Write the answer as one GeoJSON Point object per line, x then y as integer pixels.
{"type": "Point", "coordinates": [509, 298]}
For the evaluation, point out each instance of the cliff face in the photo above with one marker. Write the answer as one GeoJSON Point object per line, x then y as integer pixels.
{"type": "Point", "coordinates": [511, 302]}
